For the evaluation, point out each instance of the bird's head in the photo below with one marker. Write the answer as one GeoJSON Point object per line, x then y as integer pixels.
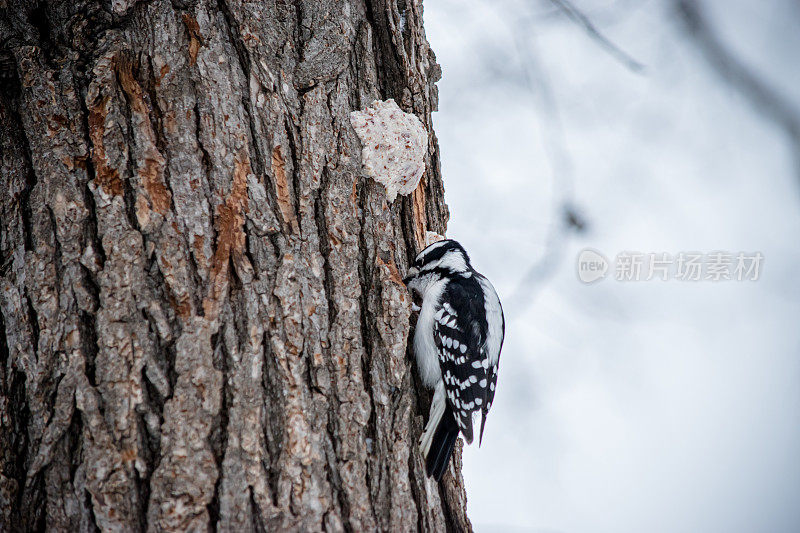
{"type": "Point", "coordinates": [440, 259]}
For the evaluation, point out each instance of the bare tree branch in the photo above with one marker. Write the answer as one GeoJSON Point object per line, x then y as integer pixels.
{"type": "Point", "coordinates": [764, 99]}
{"type": "Point", "coordinates": [566, 217]}
{"type": "Point", "coordinates": [574, 14]}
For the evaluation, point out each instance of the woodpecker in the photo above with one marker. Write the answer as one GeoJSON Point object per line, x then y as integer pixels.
{"type": "Point", "coordinates": [457, 343]}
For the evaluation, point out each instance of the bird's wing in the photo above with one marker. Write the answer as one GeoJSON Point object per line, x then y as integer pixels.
{"type": "Point", "coordinates": [459, 339]}
{"type": "Point", "coordinates": [495, 333]}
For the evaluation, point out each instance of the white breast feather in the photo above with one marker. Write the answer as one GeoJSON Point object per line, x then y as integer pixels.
{"type": "Point", "coordinates": [424, 345]}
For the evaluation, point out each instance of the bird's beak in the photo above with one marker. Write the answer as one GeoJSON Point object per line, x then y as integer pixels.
{"type": "Point", "coordinates": [412, 273]}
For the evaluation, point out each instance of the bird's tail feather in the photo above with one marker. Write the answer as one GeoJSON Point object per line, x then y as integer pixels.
{"type": "Point", "coordinates": [441, 447]}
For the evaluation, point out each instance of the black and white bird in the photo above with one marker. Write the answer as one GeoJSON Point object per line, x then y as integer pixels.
{"type": "Point", "coordinates": [457, 344]}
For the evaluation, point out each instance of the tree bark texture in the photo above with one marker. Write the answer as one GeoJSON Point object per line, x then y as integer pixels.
{"type": "Point", "coordinates": [203, 319]}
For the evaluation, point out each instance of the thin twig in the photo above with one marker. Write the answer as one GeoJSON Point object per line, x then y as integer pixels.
{"type": "Point", "coordinates": [557, 237]}
{"type": "Point", "coordinates": [761, 96]}
{"type": "Point", "coordinates": [579, 18]}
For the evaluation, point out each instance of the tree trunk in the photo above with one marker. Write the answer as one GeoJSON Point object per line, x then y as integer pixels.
{"type": "Point", "coordinates": [203, 322]}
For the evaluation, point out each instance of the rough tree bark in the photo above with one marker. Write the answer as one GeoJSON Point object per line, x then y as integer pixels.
{"type": "Point", "coordinates": [203, 323]}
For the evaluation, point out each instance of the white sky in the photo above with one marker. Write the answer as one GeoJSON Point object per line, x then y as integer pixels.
{"type": "Point", "coordinates": [627, 407]}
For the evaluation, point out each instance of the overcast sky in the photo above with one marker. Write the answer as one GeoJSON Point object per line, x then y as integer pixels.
{"type": "Point", "coordinates": [662, 406]}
